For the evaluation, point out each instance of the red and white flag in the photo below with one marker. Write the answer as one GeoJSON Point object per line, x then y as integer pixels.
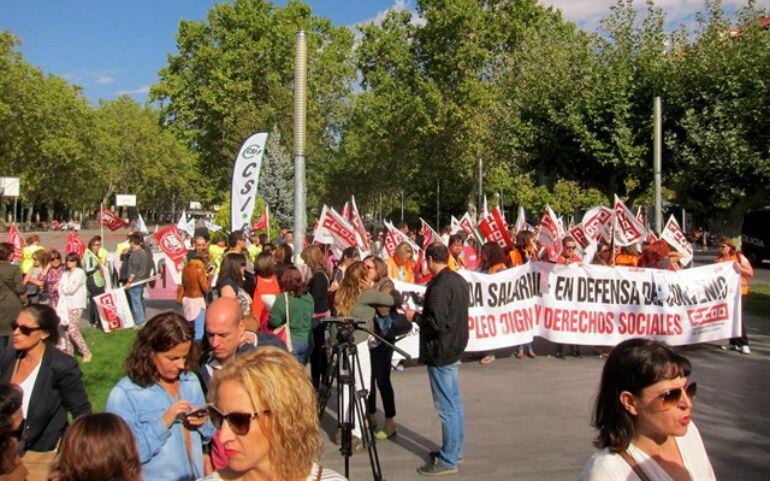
{"type": "Point", "coordinates": [674, 235]}
{"type": "Point", "coordinates": [521, 220]}
{"type": "Point", "coordinates": [493, 229]}
{"type": "Point", "coordinates": [110, 220]}
{"type": "Point", "coordinates": [394, 237]}
{"type": "Point", "coordinates": [577, 233]}
{"type": "Point", "coordinates": [263, 222]}
{"type": "Point", "coordinates": [429, 236]}
{"type": "Point", "coordinates": [333, 225]}
{"type": "Point", "coordinates": [549, 231]}
{"type": "Point", "coordinates": [346, 211]}
{"type": "Point", "coordinates": [628, 229]}
{"type": "Point", "coordinates": [171, 243]}
{"type": "Point", "coordinates": [357, 222]}
{"type": "Point", "coordinates": [15, 238]}
{"type": "Point", "coordinates": [75, 244]}
{"type": "Point", "coordinates": [114, 310]}
{"type": "Point", "coordinates": [597, 223]}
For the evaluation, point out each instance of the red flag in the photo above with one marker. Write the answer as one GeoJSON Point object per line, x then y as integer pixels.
{"type": "Point", "coordinates": [628, 229]}
{"type": "Point", "coordinates": [332, 224]}
{"type": "Point", "coordinates": [429, 236]}
{"type": "Point", "coordinates": [493, 228]}
{"type": "Point", "coordinates": [76, 245]}
{"type": "Point", "coordinates": [111, 220]}
{"type": "Point", "coordinates": [346, 211]}
{"type": "Point", "coordinates": [171, 243]}
{"type": "Point", "coordinates": [262, 222]}
{"type": "Point", "coordinates": [357, 223]}
{"type": "Point", "coordinates": [15, 238]}
{"type": "Point", "coordinates": [597, 223]}
{"type": "Point", "coordinates": [579, 235]}
{"type": "Point", "coordinates": [549, 231]}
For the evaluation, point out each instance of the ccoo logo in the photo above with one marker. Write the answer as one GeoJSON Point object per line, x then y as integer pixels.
{"type": "Point", "coordinates": [251, 151]}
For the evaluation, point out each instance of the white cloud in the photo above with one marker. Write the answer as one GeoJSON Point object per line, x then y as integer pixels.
{"type": "Point", "coordinates": [91, 77]}
{"type": "Point", "coordinates": [143, 90]}
{"type": "Point", "coordinates": [103, 78]}
{"type": "Point", "coordinates": [398, 6]}
{"type": "Point", "coordinates": [588, 13]}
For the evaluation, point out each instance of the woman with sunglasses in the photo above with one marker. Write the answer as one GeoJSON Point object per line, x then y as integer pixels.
{"type": "Point", "coordinates": [264, 405]}
{"type": "Point", "coordinates": [51, 383]}
{"type": "Point", "coordinates": [161, 401]}
{"type": "Point", "coordinates": [52, 275]}
{"type": "Point", "coordinates": [728, 253]}
{"type": "Point", "coordinates": [95, 278]}
{"type": "Point", "coordinates": [11, 428]}
{"type": "Point", "coordinates": [643, 415]}
{"type": "Point", "coordinates": [73, 296]}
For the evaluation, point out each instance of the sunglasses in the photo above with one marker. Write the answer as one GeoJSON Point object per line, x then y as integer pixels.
{"type": "Point", "coordinates": [671, 397]}
{"type": "Point", "coordinates": [240, 423]}
{"type": "Point", "coordinates": [25, 330]}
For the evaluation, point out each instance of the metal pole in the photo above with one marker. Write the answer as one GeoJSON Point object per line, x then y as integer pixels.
{"type": "Point", "coordinates": [481, 187]}
{"type": "Point", "coordinates": [15, 206]}
{"type": "Point", "coordinates": [684, 220]}
{"type": "Point", "coordinates": [300, 117]}
{"type": "Point", "coordinates": [657, 152]}
{"type": "Point", "coordinates": [402, 205]}
{"type": "Point", "coordinates": [438, 205]}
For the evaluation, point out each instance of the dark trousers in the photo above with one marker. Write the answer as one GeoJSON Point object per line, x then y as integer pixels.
{"type": "Point", "coordinates": [93, 313]}
{"type": "Point", "coordinates": [381, 357]}
{"type": "Point", "coordinates": [744, 339]}
{"type": "Point", "coordinates": [318, 359]}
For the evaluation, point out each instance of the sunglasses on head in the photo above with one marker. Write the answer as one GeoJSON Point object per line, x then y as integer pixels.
{"type": "Point", "coordinates": [240, 423]}
{"type": "Point", "coordinates": [26, 330]}
{"type": "Point", "coordinates": [671, 397]}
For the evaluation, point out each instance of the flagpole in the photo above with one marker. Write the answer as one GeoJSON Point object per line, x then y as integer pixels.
{"type": "Point", "coordinates": [612, 235]}
{"type": "Point", "coordinates": [101, 224]}
{"type": "Point", "coordinates": [267, 215]}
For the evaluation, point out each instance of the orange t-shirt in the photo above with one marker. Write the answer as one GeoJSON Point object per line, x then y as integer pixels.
{"type": "Point", "coordinates": [629, 260]}
{"type": "Point", "coordinates": [265, 286]}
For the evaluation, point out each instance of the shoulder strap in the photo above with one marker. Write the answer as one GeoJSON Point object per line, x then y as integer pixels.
{"type": "Point", "coordinates": [320, 472]}
{"type": "Point", "coordinates": [634, 465]}
{"type": "Point", "coordinates": [286, 298]}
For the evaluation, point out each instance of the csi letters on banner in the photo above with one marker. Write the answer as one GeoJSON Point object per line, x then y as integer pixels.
{"type": "Point", "coordinates": [596, 305]}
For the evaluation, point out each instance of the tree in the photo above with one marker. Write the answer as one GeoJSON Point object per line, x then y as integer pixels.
{"type": "Point", "coordinates": [276, 181]}
{"type": "Point", "coordinates": [234, 75]}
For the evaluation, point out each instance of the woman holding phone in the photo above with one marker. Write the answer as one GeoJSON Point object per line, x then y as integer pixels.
{"type": "Point", "coordinates": [162, 402]}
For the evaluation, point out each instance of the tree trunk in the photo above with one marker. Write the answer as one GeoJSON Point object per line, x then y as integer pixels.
{"type": "Point", "coordinates": [729, 222]}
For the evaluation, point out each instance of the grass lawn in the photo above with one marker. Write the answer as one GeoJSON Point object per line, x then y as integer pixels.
{"type": "Point", "coordinates": [106, 368]}
{"type": "Point", "coordinates": [759, 300]}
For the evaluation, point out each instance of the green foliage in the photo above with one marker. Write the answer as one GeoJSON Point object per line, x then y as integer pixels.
{"type": "Point", "coordinates": [222, 216]}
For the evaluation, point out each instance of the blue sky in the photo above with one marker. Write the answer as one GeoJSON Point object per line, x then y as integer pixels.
{"type": "Point", "coordinates": [111, 47]}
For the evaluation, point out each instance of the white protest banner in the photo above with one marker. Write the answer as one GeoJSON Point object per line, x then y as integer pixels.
{"type": "Point", "coordinates": [140, 225]}
{"type": "Point", "coordinates": [185, 225]}
{"type": "Point", "coordinates": [170, 242]}
{"type": "Point", "coordinates": [674, 235]}
{"type": "Point", "coordinates": [548, 234]}
{"type": "Point", "coordinates": [521, 220]}
{"type": "Point", "coordinates": [628, 229]}
{"type": "Point", "coordinates": [332, 224]}
{"type": "Point", "coordinates": [599, 305]}
{"type": "Point", "coordinates": [596, 223]}
{"type": "Point", "coordinates": [245, 181]}
{"type": "Point", "coordinates": [358, 223]}
{"type": "Point", "coordinates": [493, 229]}
{"type": "Point", "coordinates": [394, 237]}
{"type": "Point", "coordinates": [321, 235]}
{"type": "Point", "coordinates": [114, 310]}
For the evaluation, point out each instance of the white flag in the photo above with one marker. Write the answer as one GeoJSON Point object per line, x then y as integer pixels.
{"type": "Point", "coordinates": [245, 181]}
{"type": "Point", "coordinates": [212, 227]}
{"type": "Point", "coordinates": [186, 225]}
{"type": "Point", "coordinates": [140, 225]}
{"type": "Point", "coordinates": [521, 220]}
{"type": "Point", "coordinates": [628, 229]}
{"type": "Point", "coordinates": [674, 235]}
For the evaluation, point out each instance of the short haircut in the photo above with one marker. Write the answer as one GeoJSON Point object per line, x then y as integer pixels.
{"type": "Point", "coordinates": [135, 238]}
{"type": "Point", "coordinates": [263, 239]}
{"type": "Point", "coordinates": [455, 238]}
{"type": "Point", "coordinates": [291, 281]}
{"type": "Point", "coordinates": [72, 257]}
{"type": "Point", "coordinates": [234, 237]}
{"type": "Point", "coordinates": [6, 250]}
{"type": "Point", "coordinates": [94, 240]}
{"type": "Point", "coordinates": [162, 333]}
{"type": "Point", "coordinates": [264, 265]}
{"type": "Point", "coordinates": [437, 252]}
{"type": "Point", "coordinates": [47, 320]}
{"type": "Point", "coordinates": [276, 382]}
{"type": "Point", "coordinates": [98, 446]}
{"type": "Point", "coordinates": [631, 366]}
{"type": "Point", "coordinates": [566, 239]}
{"type": "Point", "coordinates": [350, 253]}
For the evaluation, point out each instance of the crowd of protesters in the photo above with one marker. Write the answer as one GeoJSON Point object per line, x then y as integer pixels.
{"type": "Point", "coordinates": [223, 391]}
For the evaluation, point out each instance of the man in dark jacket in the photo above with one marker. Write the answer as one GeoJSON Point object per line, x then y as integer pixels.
{"type": "Point", "coordinates": [227, 338]}
{"type": "Point", "coordinates": [443, 338]}
{"type": "Point", "coordinates": [11, 288]}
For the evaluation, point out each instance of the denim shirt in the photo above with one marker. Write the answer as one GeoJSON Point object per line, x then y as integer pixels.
{"type": "Point", "coordinates": [162, 451]}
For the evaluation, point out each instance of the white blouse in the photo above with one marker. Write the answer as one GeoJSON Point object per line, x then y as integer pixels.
{"type": "Point", "coordinates": [72, 289]}
{"type": "Point", "coordinates": [27, 386]}
{"type": "Point", "coordinates": [607, 466]}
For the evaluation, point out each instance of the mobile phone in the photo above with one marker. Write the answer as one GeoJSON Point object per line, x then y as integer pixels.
{"type": "Point", "coordinates": [199, 412]}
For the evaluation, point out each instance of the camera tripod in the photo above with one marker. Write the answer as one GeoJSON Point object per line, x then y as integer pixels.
{"type": "Point", "coordinates": [345, 368]}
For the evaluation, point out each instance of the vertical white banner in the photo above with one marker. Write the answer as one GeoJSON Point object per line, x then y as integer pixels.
{"type": "Point", "coordinates": [245, 181]}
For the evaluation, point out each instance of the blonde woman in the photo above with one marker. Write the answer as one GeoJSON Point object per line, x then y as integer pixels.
{"type": "Point", "coordinates": [401, 265]}
{"type": "Point", "coordinates": [264, 406]}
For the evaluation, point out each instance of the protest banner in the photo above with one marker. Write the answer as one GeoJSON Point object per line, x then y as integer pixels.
{"type": "Point", "coordinates": [15, 238]}
{"type": "Point", "coordinates": [332, 226]}
{"type": "Point", "coordinates": [171, 244]}
{"type": "Point", "coordinates": [75, 244]}
{"type": "Point", "coordinates": [597, 305]}
{"type": "Point", "coordinates": [245, 181]}
{"type": "Point", "coordinates": [577, 233]}
{"type": "Point", "coordinates": [674, 235]}
{"type": "Point", "coordinates": [114, 310]}
{"type": "Point", "coordinates": [493, 229]}
{"type": "Point", "coordinates": [548, 232]}
{"type": "Point", "coordinates": [628, 229]}
{"type": "Point", "coordinates": [111, 220]}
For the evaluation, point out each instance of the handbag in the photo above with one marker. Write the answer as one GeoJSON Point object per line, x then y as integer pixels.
{"type": "Point", "coordinates": [284, 332]}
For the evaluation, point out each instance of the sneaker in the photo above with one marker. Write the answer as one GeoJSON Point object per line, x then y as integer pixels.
{"type": "Point", "coordinates": [745, 350]}
{"type": "Point", "coordinates": [384, 434]}
{"type": "Point", "coordinates": [434, 458]}
{"type": "Point", "coordinates": [437, 470]}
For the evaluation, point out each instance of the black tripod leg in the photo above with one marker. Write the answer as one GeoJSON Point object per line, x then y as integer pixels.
{"type": "Point", "coordinates": [325, 387]}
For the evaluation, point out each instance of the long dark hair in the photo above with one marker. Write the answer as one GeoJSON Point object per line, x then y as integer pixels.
{"type": "Point", "coordinates": [631, 366]}
{"type": "Point", "coordinates": [231, 268]}
{"type": "Point", "coordinates": [10, 402]}
{"type": "Point", "coordinates": [98, 446]}
{"type": "Point", "coordinates": [160, 334]}
{"type": "Point", "coordinates": [491, 255]}
{"type": "Point", "coordinates": [47, 320]}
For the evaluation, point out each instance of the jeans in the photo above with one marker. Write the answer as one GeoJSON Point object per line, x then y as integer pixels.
{"type": "Point", "coordinates": [445, 387]}
{"type": "Point", "coordinates": [135, 296]}
{"type": "Point", "coordinates": [200, 325]}
{"type": "Point", "coordinates": [301, 350]}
